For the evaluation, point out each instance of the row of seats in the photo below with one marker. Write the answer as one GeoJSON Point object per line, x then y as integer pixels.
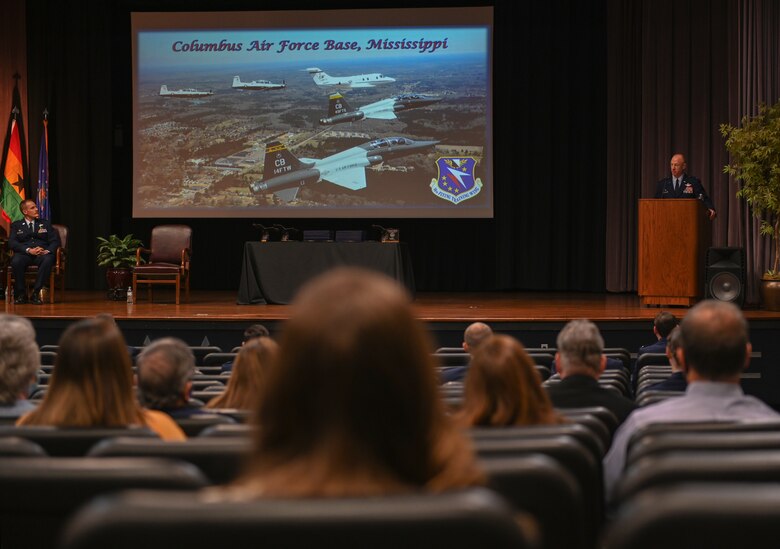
{"type": "Point", "coordinates": [709, 467]}
{"type": "Point", "coordinates": [714, 484]}
{"type": "Point", "coordinates": [543, 471]}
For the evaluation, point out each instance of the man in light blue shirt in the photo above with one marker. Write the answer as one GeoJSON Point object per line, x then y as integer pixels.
{"type": "Point", "coordinates": [714, 351]}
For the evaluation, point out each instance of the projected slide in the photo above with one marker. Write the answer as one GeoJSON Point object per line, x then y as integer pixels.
{"type": "Point", "coordinates": [351, 113]}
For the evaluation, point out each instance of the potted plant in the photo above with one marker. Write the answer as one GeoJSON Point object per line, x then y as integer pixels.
{"type": "Point", "coordinates": [119, 255]}
{"type": "Point", "coordinates": [754, 149]}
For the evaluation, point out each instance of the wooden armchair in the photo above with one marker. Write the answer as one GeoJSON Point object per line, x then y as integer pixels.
{"type": "Point", "coordinates": [169, 260]}
{"type": "Point", "coordinates": [57, 270]}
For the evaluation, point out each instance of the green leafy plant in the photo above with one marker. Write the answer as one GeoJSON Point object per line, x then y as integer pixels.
{"type": "Point", "coordinates": [754, 149]}
{"type": "Point", "coordinates": [117, 252]}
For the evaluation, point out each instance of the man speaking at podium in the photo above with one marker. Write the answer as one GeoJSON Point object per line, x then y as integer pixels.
{"type": "Point", "coordinates": [682, 185]}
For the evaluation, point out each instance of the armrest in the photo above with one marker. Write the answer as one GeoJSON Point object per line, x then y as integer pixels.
{"type": "Point", "coordinates": [61, 256]}
{"type": "Point", "coordinates": [138, 259]}
{"type": "Point", "coordinates": [185, 259]}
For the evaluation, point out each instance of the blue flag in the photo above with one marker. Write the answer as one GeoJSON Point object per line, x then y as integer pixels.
{"type": "Point", "coordinates": [42, 200]}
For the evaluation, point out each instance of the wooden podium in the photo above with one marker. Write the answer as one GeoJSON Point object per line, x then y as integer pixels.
{"type": "Point", "coordinates": [673, 239]}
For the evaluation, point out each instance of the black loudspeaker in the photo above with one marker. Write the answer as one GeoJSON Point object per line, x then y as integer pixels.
{"type": "Point", "coordinates": [724, 275]}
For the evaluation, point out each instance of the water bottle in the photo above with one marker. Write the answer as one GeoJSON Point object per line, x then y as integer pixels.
{"type": "Point", "coordinates": [130, 295]}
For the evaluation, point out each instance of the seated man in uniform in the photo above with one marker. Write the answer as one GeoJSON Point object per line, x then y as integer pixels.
{"type": "Point", "coordinates": [34, 242]}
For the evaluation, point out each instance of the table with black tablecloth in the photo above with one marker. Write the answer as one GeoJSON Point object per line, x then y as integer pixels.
{"type": "Point", "coordinates": [272, 272]}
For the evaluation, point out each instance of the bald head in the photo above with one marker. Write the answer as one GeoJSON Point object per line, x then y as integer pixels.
{"type": "Point", "coordinates": [677, 164]}
{"type": "Point", "coordinates": [715, 340]}
{"type": "Point", "coordinates": [475, 334]}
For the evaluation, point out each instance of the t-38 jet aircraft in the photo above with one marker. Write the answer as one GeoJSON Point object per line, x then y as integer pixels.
{"type": "Point", "coordinates": [189, 92]}
{"type": "Point", "coordinates": [284, 174]}
{"type": "Point", "coordinates": [356, 81]}
{"type": "Point", "coordinates": [256, 85]}
{"type": "Point", "coordinates": [339, 111]}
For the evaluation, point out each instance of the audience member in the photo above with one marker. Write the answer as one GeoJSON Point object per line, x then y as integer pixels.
{"type": "Point", "coordinates": [663, 324]}
{"type": "Point", "coordinates": [248, 376]}
{"type": "Point", "coordinates": [677, 381]}
{"type": "Point", "coordinates": [714, 351]}
{"type": "Point", "coordinates": [503, 387]}
{"type": "Point", "coordinates": [165, 371]}
{"type": "Point", "coordinates": [19, 363]}
{"type": "Point", "coordinates": [581, 362]}
{"type": "Point", "coordinates": [473, 336]}
{"type": "Point", "coordinates": [92, 384]}
{"type": "Point", "coordinates": [351, 408]}
{"type": "Point", "coordinates": [255, 331]}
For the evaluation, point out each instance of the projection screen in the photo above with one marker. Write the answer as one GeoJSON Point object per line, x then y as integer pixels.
{"type": "Point", "coordinates": [324, 114]}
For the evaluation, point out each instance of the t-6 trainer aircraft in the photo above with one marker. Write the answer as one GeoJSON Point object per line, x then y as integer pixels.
{"type": "Point", "coordinates": [357, 81]}
{"type": "Point", "coordinates": [339, 111]}
{"type": "Point", "coordinates": [284, 174]}
{"type": "Point", "coordinates": [189, 92]}
{"type": "Point", "coordinates": [256, 85]}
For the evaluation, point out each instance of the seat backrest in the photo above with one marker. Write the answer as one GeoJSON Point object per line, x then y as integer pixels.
{"type": "Point", "coordinates": [701, 427]}
{"type": "Point", "coordinates": [649, 397]}
{"type": "Point", "coordinates": [716, 516]}
{"type": "Point", "coordinates": [585, 436]}
{"type": "Point", "coordinates": [200, 351]}
{"type": "Point", "coordinates": [570, 453]}
{"type": "Point", "coordinates": [681, 440]}
{"type": "Point", "coordinates": [220, 459]}
{"type": "Point", "coordinates": [168, 241]}
{"type": "Point", "coordinates": [595, 425]}
{"type": "Point", "coordinates": [62, 230]}
{"type": "Point", "coordinates": [218, 359]}
{"type": "Point", "coordinates": [19, 447]}
{"type": "Point", "coordinates": [698, 466]}
{"type": "Point", "coordinates": [39, 494]}
{"type": "Point", "coordinates": [540, 486]}
{"type": "Point", "coordinates": [152, 520]}
{"type": "Point", "coordinates": [72, 442]}
{"type": "Point", "coordinates": [228, 430]}
{"type": "Point", "coordinates": [193, 425]}
{"type": "Point", "coordinates": [605, 415]}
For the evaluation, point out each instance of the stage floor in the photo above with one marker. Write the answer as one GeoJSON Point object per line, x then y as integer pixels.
{"type": "Point", "coordinates": [430, 307]}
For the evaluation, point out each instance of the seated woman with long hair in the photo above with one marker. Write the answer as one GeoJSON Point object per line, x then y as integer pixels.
{"type": "Point", "coordinates": [247, 376]}
{"type": "Point", "coordinates": [351, 407]}
{"type": "Point", "coordinates": [92, 384]}
{"type": "Point", "coordinates": [503, 388]}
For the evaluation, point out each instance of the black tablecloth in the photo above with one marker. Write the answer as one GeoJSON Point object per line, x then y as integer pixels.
{"type": "Point", "coordinates": [273, 271]}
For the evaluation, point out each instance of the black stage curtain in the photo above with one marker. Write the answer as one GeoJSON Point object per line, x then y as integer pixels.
{"type": "Point", "coordinates": [550, 116]}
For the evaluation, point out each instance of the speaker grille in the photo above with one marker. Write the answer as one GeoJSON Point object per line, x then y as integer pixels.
{"type": "Point", "coordinates": [725, 287]}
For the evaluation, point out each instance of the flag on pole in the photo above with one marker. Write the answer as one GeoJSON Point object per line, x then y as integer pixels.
{"type": "Point", "coordinates": [13, 179]}
{"type": "Point", "coordinates": [42, 200]}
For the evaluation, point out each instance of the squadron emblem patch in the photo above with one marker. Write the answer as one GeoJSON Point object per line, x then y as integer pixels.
{"type": "Point", "coordinates": [456, 181]}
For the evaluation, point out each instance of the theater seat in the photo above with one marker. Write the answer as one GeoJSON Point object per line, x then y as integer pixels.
{"type": "Point", "coordinates": [19, 447]}
{"type": "Point", "coordinates": [193, 425]}
{"type": "Point", "coordinates": [542, 487]}
{"type": "Point", "coordinates": [158, 520]}
{"type": "Point", "coordinates": [71, 442]}
{"type": "Point", "coordinates": [698, 466]}
{"type": "Point", "coordinates": [220, 459]}
{"type": "Point", "coordinates": [569, 452]}
{"type": "Point", "coordinates": [39, 494]}
{"type": "Point", "coordinates": [712, 516]}
{"type": "Point", "coordinates": [660, 443]}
